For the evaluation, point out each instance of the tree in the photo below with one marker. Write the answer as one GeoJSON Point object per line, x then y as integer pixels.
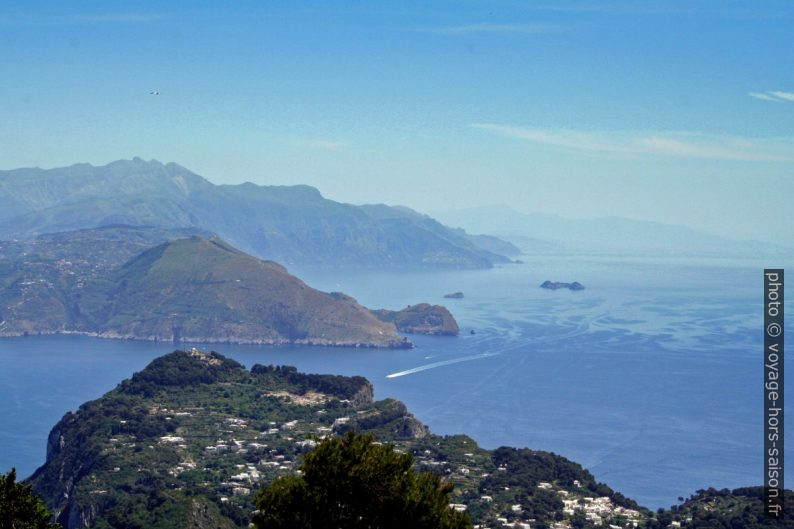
{"type": "Point", "coordinates": [19, 507]}
{"type": "Point", "coordinates": [355, 483]}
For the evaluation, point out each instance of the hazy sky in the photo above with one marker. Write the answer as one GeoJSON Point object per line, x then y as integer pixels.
{"type": "Point", "coordinates": [679, 112]}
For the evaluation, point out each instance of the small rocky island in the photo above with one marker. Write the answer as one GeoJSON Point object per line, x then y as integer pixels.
{"type": "Point", "coordinates": [556, 285]}
{"type": "Point", "coordinates": [454, 295]}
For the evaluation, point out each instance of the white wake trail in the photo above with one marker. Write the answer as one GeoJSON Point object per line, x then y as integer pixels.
{"type": "Point", "coordinates": [439, 364]}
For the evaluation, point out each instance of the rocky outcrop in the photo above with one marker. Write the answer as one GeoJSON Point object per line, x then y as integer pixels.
{"type": "Point", "coordinates": [364, 396]}
{"type": "Point", "coordinates": [556, 285]}
{"type": "Point", "coordinates": [423, 318]}
{"type": "Point", "coordinates": [389, 417]}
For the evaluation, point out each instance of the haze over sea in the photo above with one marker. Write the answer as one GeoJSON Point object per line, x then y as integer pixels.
{"type": "Point", "coordinates": [650, 378]}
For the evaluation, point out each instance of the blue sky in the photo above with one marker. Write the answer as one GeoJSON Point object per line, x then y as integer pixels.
{"type": "Point", "coordinates": [680, 112]}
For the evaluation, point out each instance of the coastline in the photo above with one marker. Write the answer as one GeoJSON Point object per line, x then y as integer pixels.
{"type": "Point", "coordinates": [405, 343]}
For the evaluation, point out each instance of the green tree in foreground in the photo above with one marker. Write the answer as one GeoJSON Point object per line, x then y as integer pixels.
{"type": "Point", "coordinates": [355, 483]}
{"type": "Point", "coordinates": [19, 507]}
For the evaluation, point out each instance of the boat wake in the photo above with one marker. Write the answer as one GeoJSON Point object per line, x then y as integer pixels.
{"type": "Point", "coordinates": [440, 364]}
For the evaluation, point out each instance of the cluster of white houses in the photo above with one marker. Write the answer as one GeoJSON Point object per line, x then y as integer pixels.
{"type": "Point", "coordinates": [598, 511]}
{"type": "Point", "coordinates": [262, 460]}
{"type": "Point", "coordinates": [248, 475]}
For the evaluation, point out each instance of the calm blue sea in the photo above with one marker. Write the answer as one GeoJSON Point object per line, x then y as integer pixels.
{"type": "Point", "coordinates": [650, 378]}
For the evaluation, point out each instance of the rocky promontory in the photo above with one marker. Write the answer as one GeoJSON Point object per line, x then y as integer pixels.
{"type": "Point", "coordinates": [422, 318]}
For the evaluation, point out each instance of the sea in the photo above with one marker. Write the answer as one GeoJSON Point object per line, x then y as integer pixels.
{"type": "Point", "coordinates": [651, 377]}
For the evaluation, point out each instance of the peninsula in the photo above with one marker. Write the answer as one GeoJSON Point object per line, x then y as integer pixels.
{"type": "Point", "coordinates": [123, 282]}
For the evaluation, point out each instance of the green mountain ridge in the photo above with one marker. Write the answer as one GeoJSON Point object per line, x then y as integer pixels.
{"type": "Point", "coordinates": [288, 224]}
{"type": "Point", "coordinates": [187, 441]}
{"type": "Point", "coordinates": [196, 432]}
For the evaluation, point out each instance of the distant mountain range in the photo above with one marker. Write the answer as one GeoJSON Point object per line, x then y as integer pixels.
{"type": "Point", "coordinates": [288, 224]}
{"type": "Point", "coordinates": [125, 282]}
{"type": "Point", "coordinates": [545, 233]}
